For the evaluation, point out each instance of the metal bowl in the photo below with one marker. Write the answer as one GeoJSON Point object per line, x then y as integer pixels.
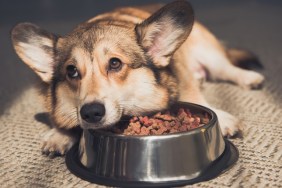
{"type": "Point", "coordinates": [152, 161]}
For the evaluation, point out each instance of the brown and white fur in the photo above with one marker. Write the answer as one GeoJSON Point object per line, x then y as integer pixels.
{"type": "Point", "coordinates": [130, 62]}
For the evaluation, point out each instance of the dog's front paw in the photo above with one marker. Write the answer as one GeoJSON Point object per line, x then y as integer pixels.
{"type": "Point", "coordinates": [229, 124]}
{"type": "Point", "coordinates": [58, 142]}
{"type": "Point", "coordinates": [251, 80]}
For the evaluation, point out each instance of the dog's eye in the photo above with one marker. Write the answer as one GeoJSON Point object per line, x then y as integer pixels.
{"type": "Point", "coordinates": [72, 71]}
{"type": "Point", "coordinates": [115, 64]}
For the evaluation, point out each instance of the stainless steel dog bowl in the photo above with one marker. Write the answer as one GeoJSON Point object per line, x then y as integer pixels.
{"type": "Point", "coordinates": [152, 161]}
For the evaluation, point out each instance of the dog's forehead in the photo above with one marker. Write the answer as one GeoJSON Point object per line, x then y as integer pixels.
{"type": "Point", "coordinates": [102, 40]}
{"type": "Point", "coordinates": [92, 37]}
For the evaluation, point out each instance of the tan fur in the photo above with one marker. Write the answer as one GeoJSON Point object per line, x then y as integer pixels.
{"type": "Point", "coordinates": [65, 113]}
{"type": "Point", "coordinates": [159, 66]}
{"type": "Point", "coordinates": [58, 141]}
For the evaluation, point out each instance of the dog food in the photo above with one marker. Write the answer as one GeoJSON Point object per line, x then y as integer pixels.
{"type": "Point", "coordinates": [162, 123]}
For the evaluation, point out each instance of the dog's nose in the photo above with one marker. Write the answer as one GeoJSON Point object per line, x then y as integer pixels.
{"type": "Point", "coordinates": [92, 112]}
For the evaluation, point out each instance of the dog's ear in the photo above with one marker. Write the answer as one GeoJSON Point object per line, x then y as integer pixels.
{"type": "Point", "coordinates": [164, 32]}
{"type": "Point", "coordinates": [35, 47]}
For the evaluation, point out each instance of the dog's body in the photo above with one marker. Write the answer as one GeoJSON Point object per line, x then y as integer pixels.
{"type": "Point", "coordinates": [127, 62]}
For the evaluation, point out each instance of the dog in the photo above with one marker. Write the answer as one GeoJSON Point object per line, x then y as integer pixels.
{"type": "Point", "coordinates": [127, 62]}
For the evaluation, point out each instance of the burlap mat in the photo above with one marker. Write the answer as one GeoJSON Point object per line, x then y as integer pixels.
{"type": "Point", "coordinates": [260, 163]}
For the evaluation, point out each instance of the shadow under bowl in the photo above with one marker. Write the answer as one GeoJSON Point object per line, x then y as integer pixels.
{"type": "Point", "coordinates": [154, 160]}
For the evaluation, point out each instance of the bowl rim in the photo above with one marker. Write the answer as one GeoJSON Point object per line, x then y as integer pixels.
{"type": "Point", "coordinates": [212, 122]}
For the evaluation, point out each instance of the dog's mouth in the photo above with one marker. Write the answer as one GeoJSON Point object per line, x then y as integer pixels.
{"type": "Point", "coordinates": [103, 125]}
{"type": "Point", "coordinates": [97, 125]}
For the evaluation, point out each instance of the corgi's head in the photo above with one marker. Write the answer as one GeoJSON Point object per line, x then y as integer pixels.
{"type": "Point", "coordinates": [107, 68]}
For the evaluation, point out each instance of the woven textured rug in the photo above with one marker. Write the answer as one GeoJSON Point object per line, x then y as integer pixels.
{"type": "Point", "coordinates": [254, 25]}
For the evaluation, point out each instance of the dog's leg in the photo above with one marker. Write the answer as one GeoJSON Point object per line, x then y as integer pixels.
{"type": "Point", "coordinates": [190, 92]}
{"type": "Point", "coordinates": [219, 67]}
{"type": "Point", "coordinates": [209, 53]}
{"type": "Point", "coordinates": [58, 141]}
{"type": "Point", "coordinates": [229, 124]}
